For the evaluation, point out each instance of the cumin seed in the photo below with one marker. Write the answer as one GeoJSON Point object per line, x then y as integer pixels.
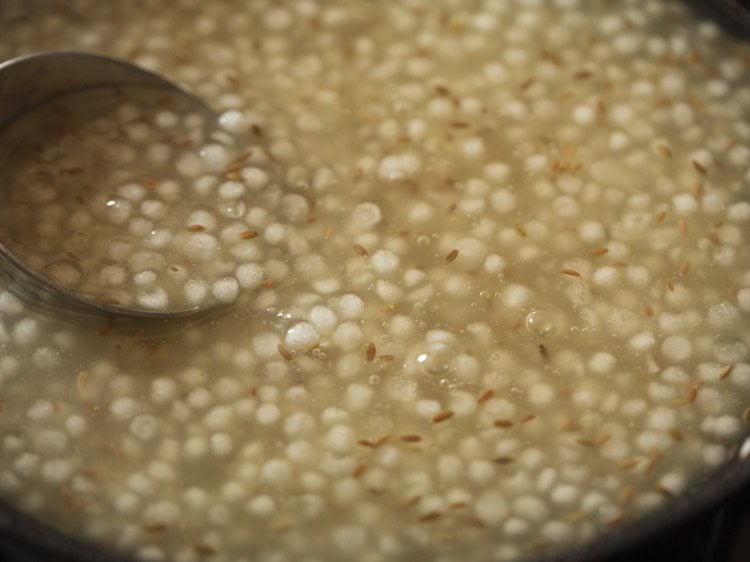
{"type": "Point", "coordinates": [431, 516]}
{"type": "Point", "coordinates": [284, 352]}
{"type": "Point", "coordinates": [442, 416]}
{"type": "Point", "coordinates": [570, 272]}
{"type": "Point", "coordinates": [684, 267]}
{"type": "Point", "coordinates": [626, 494]}
{"type": "Point", "coordinates": [370, 351]}
{"type": "Point", "coordinates": [674, 433]}
{"type": "Point", "coordinates": [485, 395]}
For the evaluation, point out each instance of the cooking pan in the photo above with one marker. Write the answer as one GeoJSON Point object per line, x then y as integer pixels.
{"type": "Point", "coordinates": [724, 487]}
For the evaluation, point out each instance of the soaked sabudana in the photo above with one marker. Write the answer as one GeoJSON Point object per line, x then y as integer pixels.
{"type": "Point", "coordinates": [495, 301]}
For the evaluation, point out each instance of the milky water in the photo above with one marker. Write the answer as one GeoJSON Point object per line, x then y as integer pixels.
{"type": "Point", "coordinates": [505, 311]}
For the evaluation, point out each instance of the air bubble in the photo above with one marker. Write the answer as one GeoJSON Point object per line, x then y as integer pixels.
{"type": "Point", "coordinates": [541, 323]}
{"type": "Point", "coordinates": [435, 358]}
{"type": "Point", "coordinates": [232, 209]}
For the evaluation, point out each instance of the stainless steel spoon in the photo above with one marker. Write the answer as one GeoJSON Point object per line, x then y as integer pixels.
{"type": "Point", "coordinates": [30, 81]}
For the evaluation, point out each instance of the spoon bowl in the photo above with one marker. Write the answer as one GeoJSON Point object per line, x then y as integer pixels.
{"type": "Point", "coordinates": [29, 82]}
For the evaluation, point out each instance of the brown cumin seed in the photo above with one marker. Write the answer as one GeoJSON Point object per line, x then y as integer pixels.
{"type": "Point", "coordinates": [441, 90]}
{"type": "Point", "coordinates": [602, 439]}
{"type": "Point", "coordinates": [327, 233]}
{"type": "Point", "coordinates": [670, 285]}
{"type": "Point", "coordinates": [660, 216]}
{"type": "Point", "coordinates": [503, 423]}
{"type": "Point", "coordinates": [360, 250]}
{"type": "Point", "coordinates": [452, 255]}
{"type": "Point", "coordinates": [82, 380]}
{"type": "Point", "coordinates": [370, 351]}
{"type": "Point", "coordinates": [196, 228]}
{"type": "Point", "coordinates": [359, 470]}
{"type": "Point", "coordinates": [674, 433]}
{"type": "Point", "coordinates": [521, 230]}
{"type": "Point", "coordinates": [270, 282]}
{"type": "Point", "coordinates": [526, 418]}
{"type": "Point", "coordinates": [155, 528]}
{"type": "Point", "coordinates": [148, 182]}
{"type": "Point", "coordinates": [526, 84]}
{"type": "Point", "coordinates": [503, 460]}
{"type": "Point", "coordinates": [458, 505]}
{"type": "Point", "coordinates": [663, 151]}
{"type": "Point", "coordinates": [682, 225]}
{"type": "Point", "coordinates": [724, 373]}
{"type": "Point", "coordinates": [485, 395]}
{"type": "Point", "coordinates": [575, 516]}
{"type": "Point", "coordinates": [599, 251]}
{"type": "Point", "coordinates": [692, 392]}
{"type": "Point", "coordinates": [204, 550]}
{"type": "Point", "coordinates": [570, 272]}
{"type": "Point", "coordinates": [700, 168]}
{"type": "Point", "coordinates": [414, 500]}
{"type": "Point", "coordinates": [475, 521]}
{"type": "Point", "coordinates": [284, 352]}
{"type": "Point", "coordinates": [627, 464]}
{"type": "Point", "coordinates": [248, 235]}
{"type": "Point", "coordinates": [684, 267]}
{"type": "Point", "coordinates": [586, 442]}
{"type": "Point", "coordinates": [626, 494]}
{"type": "Point", "coordinates": [380, 439]}
{"type": "Point", "coordinates": [386, 358]}
{"type": "Point", "coordinates": [106, 329]}
{"type": "Point", "coordinates": [366, 443]}
{"type": "Point", "coordinates": [442, 416]}
{"type": "Point", "coordinates": [583, 74]}
{"type": "Point", "coordinates": [615, 521]}
{"type": "Point", "coordinates": [431, 516]}
{"type": "Point", "coordinates": [410, 438]}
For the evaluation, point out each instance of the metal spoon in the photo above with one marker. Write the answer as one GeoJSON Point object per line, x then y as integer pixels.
{"type": "Point", "coordinates": [30, 81]}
